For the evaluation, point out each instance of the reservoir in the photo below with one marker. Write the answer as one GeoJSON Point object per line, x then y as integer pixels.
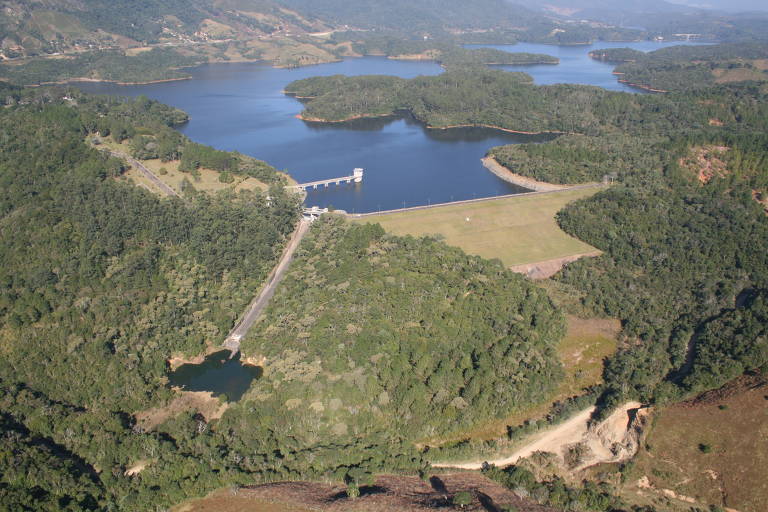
{"type": "Point", "coordinates": [242, 107]}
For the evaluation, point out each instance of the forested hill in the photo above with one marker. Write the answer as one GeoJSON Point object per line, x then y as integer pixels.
{"type": "Point", "coordinates": [426, 15]}
{"type": "Point", "coordinates": [102, 281]}
{"type": "Point", "coordinates": [690, 67]}
{"type": "Point", "coordinates": [56, 40]}
{"type": "Point", "coordinates": [480, 96]}
{"type": "Point", "coordinates": [39, 27]}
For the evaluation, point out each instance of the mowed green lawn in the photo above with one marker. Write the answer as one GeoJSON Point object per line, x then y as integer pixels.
{"type": "Point", "coordinates": [516, 230]}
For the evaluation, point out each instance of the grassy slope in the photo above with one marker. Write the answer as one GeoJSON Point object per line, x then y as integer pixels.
{"type": "Point", "coordinates": [516, 230]}
{"type": "Point", "coordinates": [733, 422]}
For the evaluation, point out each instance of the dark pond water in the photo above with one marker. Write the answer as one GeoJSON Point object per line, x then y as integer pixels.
{"type": "Point", "coordinates": [242, 107]}
{"type": "Point", "coordinates": [218, 374]}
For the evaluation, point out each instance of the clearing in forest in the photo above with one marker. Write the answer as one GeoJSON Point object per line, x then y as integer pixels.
{"type": "Point", "coordinates": [516, 230]}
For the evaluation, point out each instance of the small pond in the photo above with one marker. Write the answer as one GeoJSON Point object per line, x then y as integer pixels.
{"type": "Point", "coordinates": [218, 374]}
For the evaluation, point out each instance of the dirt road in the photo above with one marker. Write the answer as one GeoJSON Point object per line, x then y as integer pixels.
{"type": "Point", "coordinates": [555, 439]}
{"type": "Point", "coordinates": [258, 304]}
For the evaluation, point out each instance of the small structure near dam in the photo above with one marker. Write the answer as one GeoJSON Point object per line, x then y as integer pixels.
{"type": "Point", "coordinates": [355, 177]}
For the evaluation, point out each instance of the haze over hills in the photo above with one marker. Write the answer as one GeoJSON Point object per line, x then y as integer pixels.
{"type": "Point", "coordinates": [726, 5]}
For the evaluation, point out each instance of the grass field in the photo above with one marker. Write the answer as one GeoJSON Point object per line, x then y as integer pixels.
{"type": "Point", "coordinates": [516, 230]}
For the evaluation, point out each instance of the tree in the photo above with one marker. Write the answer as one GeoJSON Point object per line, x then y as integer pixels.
{"type": "Point", "coordinates": [462, 498]}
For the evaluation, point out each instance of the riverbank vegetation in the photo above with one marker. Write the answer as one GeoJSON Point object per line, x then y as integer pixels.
{"type": "Point", "coordinates": [109, 65]}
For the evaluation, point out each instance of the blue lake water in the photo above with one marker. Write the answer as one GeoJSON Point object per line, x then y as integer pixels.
{"type": "Point", "coordinates": [242, 107]}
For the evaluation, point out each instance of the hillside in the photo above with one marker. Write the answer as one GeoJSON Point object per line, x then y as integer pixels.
{"type": "Point", "coordinates": [690, 67]}
{"type": "Point", "coordinates": [59, 40]}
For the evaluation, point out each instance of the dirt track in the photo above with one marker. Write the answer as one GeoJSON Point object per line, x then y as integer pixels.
{"type": "Point", "coordinates": [555, 439]}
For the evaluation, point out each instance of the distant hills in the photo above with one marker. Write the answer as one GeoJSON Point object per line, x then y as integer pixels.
{"type": "Point", "coordinates": [30, 27]}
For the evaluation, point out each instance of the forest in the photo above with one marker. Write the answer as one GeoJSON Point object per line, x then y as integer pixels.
{"type": "Point", "coordinates": [102, 282]}
{"type": "Point", "coordinates": [107, 65]}
{"type": "Point", "coordinates": [680, 68]}
{"type": "Point", "coordinates": [412, 338]}
{"type": "Point", "coordinates": [480, 96]}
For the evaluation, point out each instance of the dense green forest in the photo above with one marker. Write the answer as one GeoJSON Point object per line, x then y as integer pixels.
{"type": "Point", "coordinates": [101, 282]}
{"type": "Point", "coordinates": [408, 336]}
{"type": "Point", "coordinates": [571, 159]}
{"type": "Point", "coordinates": [478, 96]}
{"type": "Point", "coordinates": [679, 68]}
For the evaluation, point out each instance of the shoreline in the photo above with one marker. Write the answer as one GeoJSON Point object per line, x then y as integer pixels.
{"type": "Point", "coordinates": [505, 174]}
{"type": "Point", "coordinates": [638, 86]}
{"type": "Point", "coordinates": [104, 81]}
{"type": "Point", "coordinates": [345, 120]}
{"type": "Point", "coordinates": [643, 87]}
{"type": "Point", "coordinates": [427, 126]}
{"type": "Point", "coordinates": [493, 127]}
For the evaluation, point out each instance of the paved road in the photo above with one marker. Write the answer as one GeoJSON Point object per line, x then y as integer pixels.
{"type": "Point", "coordinates": [255, 308]}
{"type": "Point", "coordinates": [149, 174]}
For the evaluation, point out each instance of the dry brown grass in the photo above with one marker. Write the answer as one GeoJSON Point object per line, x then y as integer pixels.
{"type": "Point", "coordinates": [388, 494]}
{"type": "Point", "coordinates": [516, 230]}
{"type": "Point", "coordinates": [733, 423]}
{"type": "Point", "coordinates": [723, 76]}
{"type": "Point", "coordinates": [226, 500]}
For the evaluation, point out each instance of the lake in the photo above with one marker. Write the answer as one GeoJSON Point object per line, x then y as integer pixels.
{"type": "Point", "coordinates": [242, 107]}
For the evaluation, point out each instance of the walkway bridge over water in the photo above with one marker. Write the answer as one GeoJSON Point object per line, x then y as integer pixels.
{"type": "Point", "coordinates": [356, 177]}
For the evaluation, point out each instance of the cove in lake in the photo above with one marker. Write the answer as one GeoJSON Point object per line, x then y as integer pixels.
{"type": "Point", "coordinates": [242, 107]}
{"type": "Point", "coordinates": [218, 374]}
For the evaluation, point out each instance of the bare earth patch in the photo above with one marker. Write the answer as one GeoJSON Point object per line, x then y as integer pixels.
{"type": "Point", "coordinates": [705, 162]}
{"type": "Point", "coordinates": [614, 439]}
{"type": "Point", "coordinates": [548, 268]}
{"type": "Point", "coordinates": [202, 402]}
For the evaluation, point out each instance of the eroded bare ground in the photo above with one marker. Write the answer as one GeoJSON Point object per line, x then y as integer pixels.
{"type": "Point", "coordinates": [548, 268]}
{"type": "Point", "coordinates": [202, 402]}
{"type": "Point", "coordinates": [389, 493]}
